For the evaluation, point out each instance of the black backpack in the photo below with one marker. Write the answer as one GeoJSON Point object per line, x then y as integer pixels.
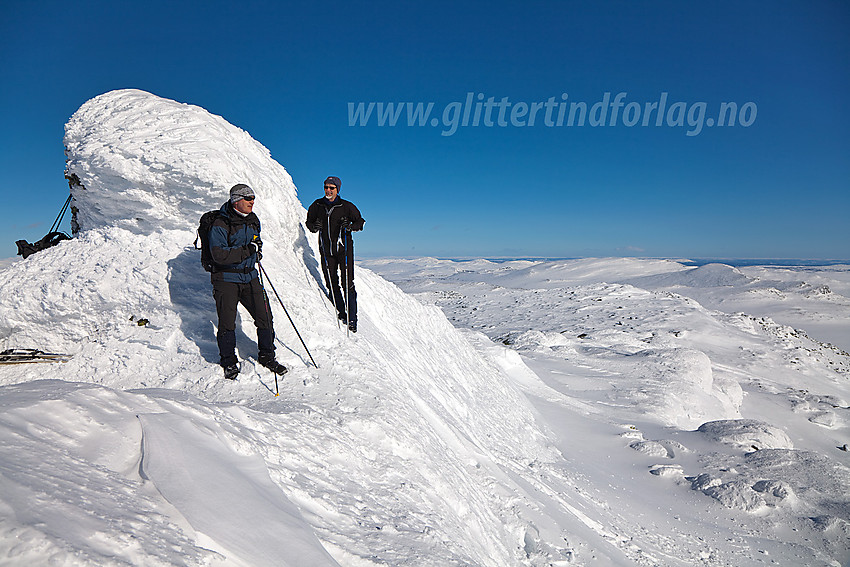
{"type": "Point", "coordinates": [26, 249]}
{"type": "Point", "coordinates": [204, 227]}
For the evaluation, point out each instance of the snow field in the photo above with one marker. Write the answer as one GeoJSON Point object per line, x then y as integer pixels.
{"type": "Point", "coordinates": [739, 410]}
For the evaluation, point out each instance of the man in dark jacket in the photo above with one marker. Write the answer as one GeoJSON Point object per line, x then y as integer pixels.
{"type": "Point", "coordinates": [334, 219]}
{"type": "Point", "coordinates": [235, 247]}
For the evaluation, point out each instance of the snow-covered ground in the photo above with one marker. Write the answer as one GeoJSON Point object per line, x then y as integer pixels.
{"type": "Point", "coordinates": [576, 413]}
{"type": "Point", "coordinates": [738, 423]}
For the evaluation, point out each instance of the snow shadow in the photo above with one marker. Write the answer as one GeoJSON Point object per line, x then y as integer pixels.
{"type": "Point", "coordinates": [302, 245]}
{"type": "Point", "coordinates": [191, 294]}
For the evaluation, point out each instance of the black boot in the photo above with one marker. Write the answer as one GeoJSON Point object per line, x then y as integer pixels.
{"type": "Point", "coordinates": [269, 362]}
{"type": "Point", "coordinates": [231, 371]}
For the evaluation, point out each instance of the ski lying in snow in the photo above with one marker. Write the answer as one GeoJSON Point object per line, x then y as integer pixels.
{"type": "Point", "coordinates": [26, 355]}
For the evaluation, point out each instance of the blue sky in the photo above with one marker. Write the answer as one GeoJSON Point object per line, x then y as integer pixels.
{"type": "Point", "coordinates": [286, 73]}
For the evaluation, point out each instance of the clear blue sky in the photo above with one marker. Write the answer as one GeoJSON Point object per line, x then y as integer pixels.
{"type": "Point", "coordinates": [286, 72]}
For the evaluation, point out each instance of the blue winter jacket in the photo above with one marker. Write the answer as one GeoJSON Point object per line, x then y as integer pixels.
{"type": "Point", "coordinates": [229, 238]}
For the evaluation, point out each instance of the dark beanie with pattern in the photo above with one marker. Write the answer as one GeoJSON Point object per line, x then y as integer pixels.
{"type": "Point", "coordinates": [239, 192]}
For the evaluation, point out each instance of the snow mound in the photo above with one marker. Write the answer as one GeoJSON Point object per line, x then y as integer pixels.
{"type": "Point", "coordinates": [747, 434]}
{"type": "Point", "coordinates": [737, 495]}
{"type": "Point", "coordinates": [803, 481]}
{"type": "Point", "coordinates": [145, 163]}
{"type": "Point", "coordinates": [675, 385]}
{"type": "Point", "coordinates": [702, 277]}
{"type": "Point", "coordinates": [714, 275]}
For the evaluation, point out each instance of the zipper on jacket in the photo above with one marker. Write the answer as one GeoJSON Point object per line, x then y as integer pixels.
{"type": "Point", "coordinates": [331, 243]}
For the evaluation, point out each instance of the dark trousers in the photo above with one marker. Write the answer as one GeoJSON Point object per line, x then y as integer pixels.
{"type": "Point", "coordinates": [333, 266]}
{"type": "Point", "coordinates": [228, 296]}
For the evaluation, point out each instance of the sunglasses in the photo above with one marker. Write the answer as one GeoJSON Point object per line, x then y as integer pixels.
{"type": "Point", "coordinates": [251, 198]}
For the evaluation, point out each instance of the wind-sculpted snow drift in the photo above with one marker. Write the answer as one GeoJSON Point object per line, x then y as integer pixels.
{"type": "Point", "coordinates": [391, 449]}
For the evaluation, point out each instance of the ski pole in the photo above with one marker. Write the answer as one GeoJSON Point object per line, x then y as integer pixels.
{"type": "Point", "coordinates": [328, 278]}
{"type": "Point", "coordinates": [263, 270]}
{"type": "Point", "coordinates": [345, 235]}
{"type": "Point", "coordinates": [268, 315]}
{"type": "Point", "coordinates": [59, 218]}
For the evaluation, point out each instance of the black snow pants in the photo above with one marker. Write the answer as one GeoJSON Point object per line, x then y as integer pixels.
{"type": "Point", "coordinates": [228, 295]}
{"type": "Point", "coordinates": [334, 265]}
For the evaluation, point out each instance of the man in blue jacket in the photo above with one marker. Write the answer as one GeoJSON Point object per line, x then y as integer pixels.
{"type": "Point", "coordinates": [235, 247]}
{"type": "Point", "coordinates": [334, 219]}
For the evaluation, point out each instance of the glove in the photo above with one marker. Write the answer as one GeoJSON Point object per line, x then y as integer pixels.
{"type": "Point", "coordinates": [316, 226]}
{"type": "Point", "coordinates": [256, 247]}
{"type": "Point", "coordinates": [345, 223]}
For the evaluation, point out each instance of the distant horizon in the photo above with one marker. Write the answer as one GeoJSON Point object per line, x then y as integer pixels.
{"type": "Point", "coordinates": [697, 261]}
{"type": "Point", "coordinates": [708, 260]}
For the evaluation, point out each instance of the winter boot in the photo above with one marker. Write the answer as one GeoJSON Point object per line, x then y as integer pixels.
{"type": "Point", "coordinates": [269, 362]}
{"type": "Point", "coordinates": [231, 371]}
{"type": "Point", "coordinates": [352, 326]}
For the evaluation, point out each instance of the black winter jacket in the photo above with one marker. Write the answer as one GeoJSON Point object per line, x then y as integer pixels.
{"type": "Point", "coordinates": [230, 235]}
{"type": "Point", "coordinates": [325, 217]}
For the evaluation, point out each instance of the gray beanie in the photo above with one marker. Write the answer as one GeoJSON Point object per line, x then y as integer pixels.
{"type": "Point", "coordinates": [239, 192]}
